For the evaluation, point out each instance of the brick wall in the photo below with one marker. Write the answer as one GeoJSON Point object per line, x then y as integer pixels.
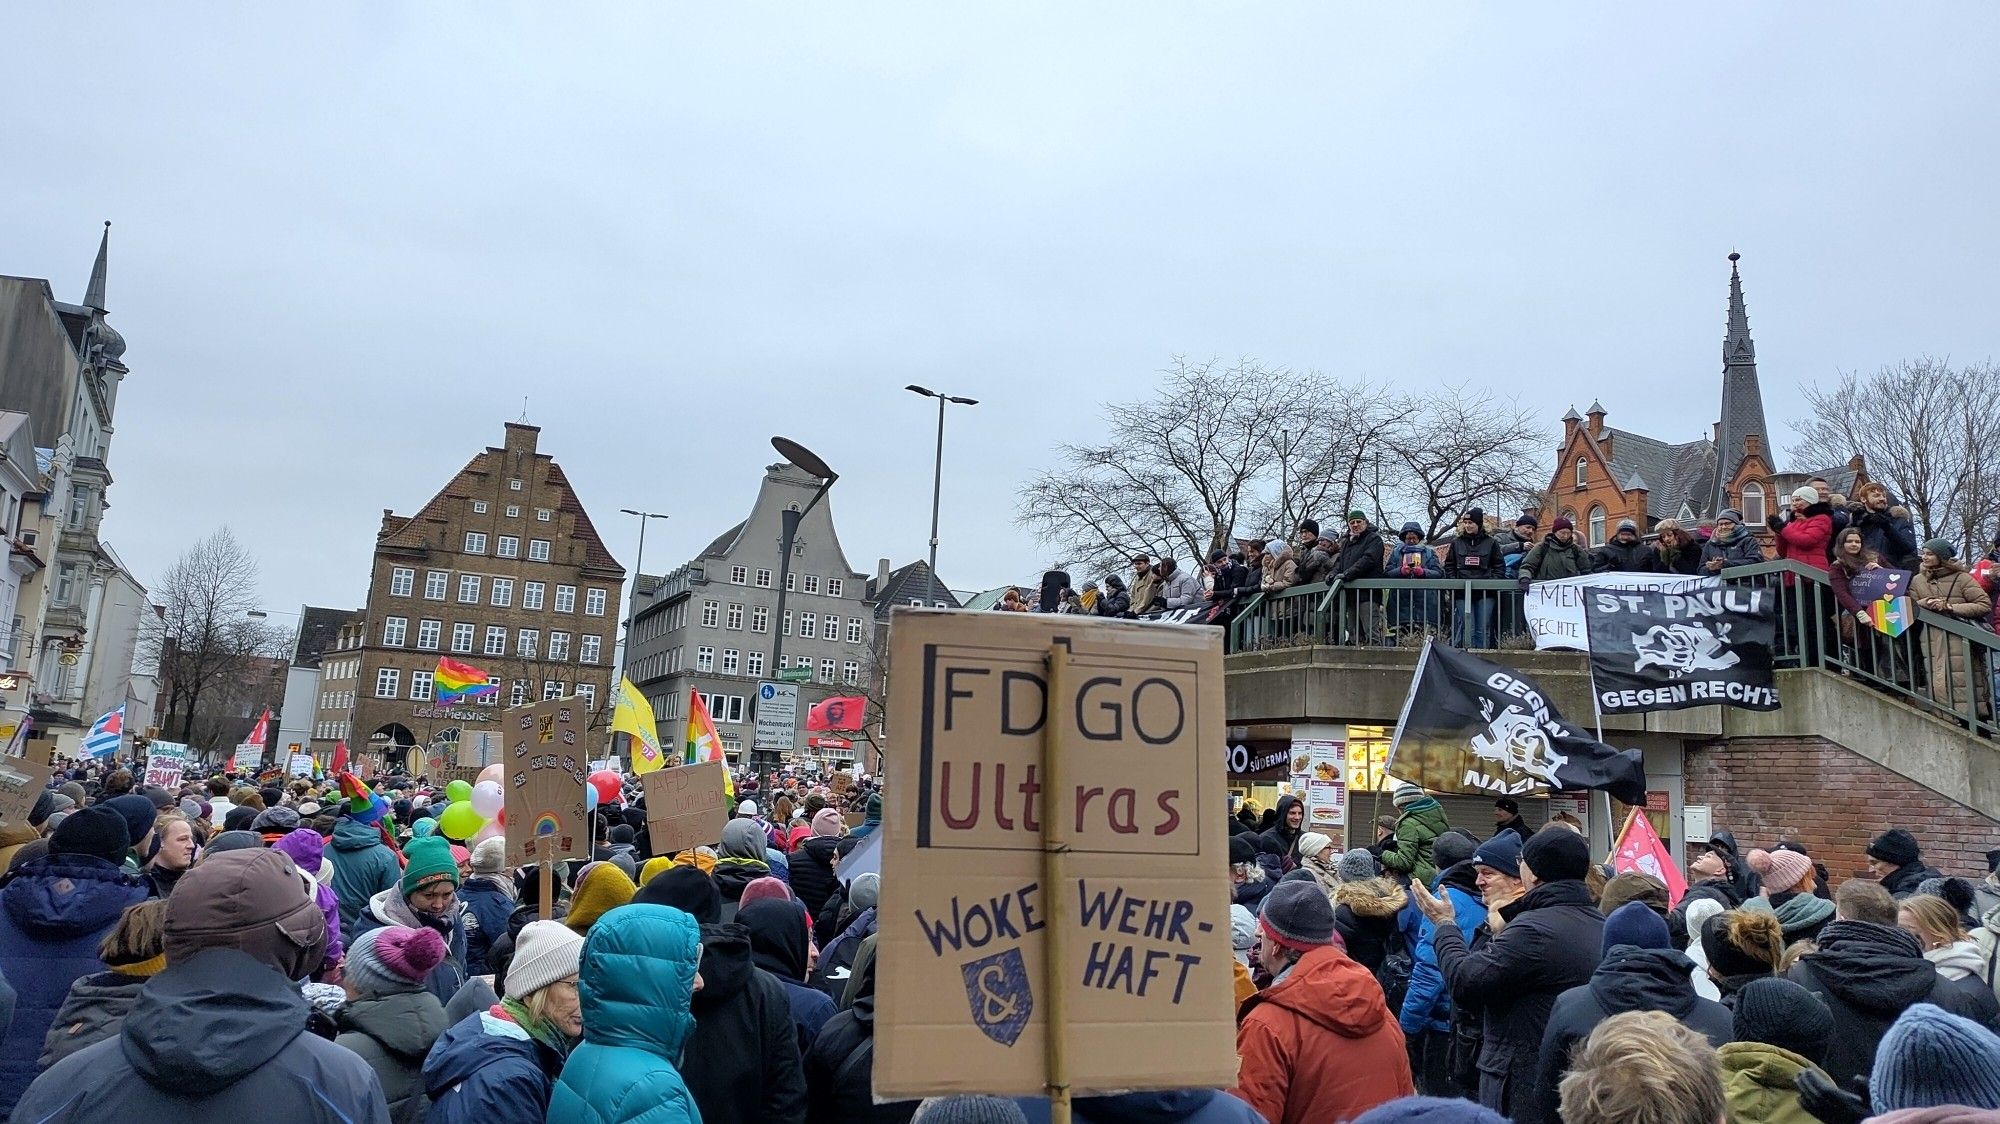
{"type": "Point", "coordinates": [1832, 801]}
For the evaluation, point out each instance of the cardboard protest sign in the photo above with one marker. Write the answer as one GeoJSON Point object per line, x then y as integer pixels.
{"type": "Point", "coordinates": [42, 751]}
{"type": "Point", "coordinates": [165, 762]}
{"type": "Point", "coordinates": [249, 755]}
{"type": "Point", "coordinates": [1555, 609]}
{"type": "Point", "coordinates": [842, 783]}
{"type": "Point", "coordinates": [546, 760]}
{"type": "Point", "coordinates": [684, 806]}
{"type": "Point", "coordinates": [302, 765]}
{"type": "Point", "coordinates": [21, 781]}
{"type": "Point", "coordinates": [1654, 651]}
{"type": "Point", "coordinates": [1138, 920]}
{"type": "Point", "coordinates": [1881, 582]}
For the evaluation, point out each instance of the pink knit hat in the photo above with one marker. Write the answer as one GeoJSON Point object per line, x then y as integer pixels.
{"type": "Point", "coordinates": [1781, 870]}
{"type": "Point", "coordinates": [827, 824]}
{"type": "Point", "coordinates": [410, 953]}
{"type": "Point", "coordinates": [765, 887]}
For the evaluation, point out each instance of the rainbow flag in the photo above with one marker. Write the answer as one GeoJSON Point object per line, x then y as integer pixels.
{"type": "Point", "coordinates": [457, 682]}
{"type": "Point", "coordinates": [702, 742]}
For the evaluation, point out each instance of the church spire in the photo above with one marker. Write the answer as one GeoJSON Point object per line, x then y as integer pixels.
{"type": "Point", "coordinates": [1742, 399]}
{"type": "Point", "coordinates": [93, 295]}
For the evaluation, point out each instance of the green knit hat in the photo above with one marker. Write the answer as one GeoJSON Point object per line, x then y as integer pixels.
{"type": "Point", "coordinates": [430, 861]}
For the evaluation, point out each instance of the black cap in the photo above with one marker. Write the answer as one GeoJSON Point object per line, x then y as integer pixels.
{"type": "Point", "coordinates": [687, 889]}
{"type": "Point", "coordinates": [96, 831]}
{"type": "Point", "coordinates": [1242, 849]}
{"type": "Point", "coordinates": [1309, 525]}
{"type": "Point", "coordinates": [1507, 804]}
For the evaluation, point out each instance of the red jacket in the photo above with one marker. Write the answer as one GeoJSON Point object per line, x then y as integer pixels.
{"type": "Point", "coordinates": [1320, 1047]}
{"type": "Point", "coordinates": [1804, 538]}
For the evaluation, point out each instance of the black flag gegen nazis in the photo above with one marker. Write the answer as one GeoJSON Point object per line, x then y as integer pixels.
{"type": "Point", "coordinates": [1474, 726]}
{"type": "Point", "coordinates": [1669, 651]}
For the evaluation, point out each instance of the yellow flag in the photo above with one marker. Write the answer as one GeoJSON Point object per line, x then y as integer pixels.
{"type": "Point", "coordinates": [633, 715]}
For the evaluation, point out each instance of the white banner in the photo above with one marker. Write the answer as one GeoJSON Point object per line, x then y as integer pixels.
{"type": "Point", "coordinates": [165, 762]}
{"type": "Point", "coordinates": [1554, 609]}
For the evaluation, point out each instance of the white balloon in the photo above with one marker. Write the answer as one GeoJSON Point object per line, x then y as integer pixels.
{"type": "Point", "coordinates": [488, 799]}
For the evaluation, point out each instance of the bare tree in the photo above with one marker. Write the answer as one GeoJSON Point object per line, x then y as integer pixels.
{"type": "Point", "coordinates": [1252, 450]}
{"type": "Point", "coordinates": [203, 635]}
{"type": "Point", "coordinates": [1928, 431]}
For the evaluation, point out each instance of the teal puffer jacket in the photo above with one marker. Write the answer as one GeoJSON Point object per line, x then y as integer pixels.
{"type": "Point", "coordinates": [639, 965]}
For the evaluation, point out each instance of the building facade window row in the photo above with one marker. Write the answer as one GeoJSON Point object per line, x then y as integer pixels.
{"type": "Point", "coordinates": [499, 590]}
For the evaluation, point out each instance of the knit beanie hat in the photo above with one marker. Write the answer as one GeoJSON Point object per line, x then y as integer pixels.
{"type": "Point", "coordinates": [1730, 514]}
{"type": "Point", "coordinates": [429, 861]}
{"type": "Point", "coordinates": [747, 808]}
{"type": "Point", "coordinates": [601, 888]}
{"type": "Point", "coordinates": [1298, 915]}
{"type": "Point", "coordinates": [826, 824]}
{"type": "Point", "coordinates": [1357, 865]}
{"type": "Point", "coordinates": [1311, 843]}
{"type": "Point", "coordinates": [1780, 870]}
{"type": "Point", "coordinates": [1501, 853]}
{"type": "Point", "coordinates": [1242, 849]}
{"type": "Point", "coordinates": [687, 889]}
{"type": "Point", "coordinates": [1942, 548]}
{"type": "Point", "coordinates": [280, 819]}
{"type": "Point", "coordinates": [865, 891]}
{"type": "Point", "coordinates": [760, 889]}
{"type": "Point", "coordinates": [137, 812]}
{"type": "Point", "coordinates": [97, 831]}
{"type": "Point", "coordinates": [1895, 847]}
{"type": "Point", "coordinates": [1636, 925]}
{"type": "Point", "coordinates": [1932, 1058]}
{"type": "Point", "coordinates": [623, 833]}
{"type": "Point", "coordinates": [1453, 847]}
{"type": "Point", "coordinates": [1556, 854]}
{"type": "Point", "coordinates": [1406, 794]}
{"type": "Point", "coordinates": [968, 1108]}
{"type": "Point", "coordinates": [1780, 1013]}
{"type": "Point", "coordinates": [1623, 525]}
{"type": "Point", "coordinates": [1562, 523]}
{"type": "Point", "coordinates": [544, 952]}
{"type": "Point", "coordinates": [490, 857]}
{"type": "Point", "coordinates": [1430, 1110]}
{"type": "Point", "coordinates": [392, 959]}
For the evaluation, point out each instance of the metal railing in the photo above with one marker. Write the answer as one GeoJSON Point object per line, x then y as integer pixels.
{"type": "Point", "coordinates": [1947, 665]}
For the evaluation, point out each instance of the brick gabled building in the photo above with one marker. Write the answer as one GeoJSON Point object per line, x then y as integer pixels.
{"type": "Point", "coordinates": [1604, 474]}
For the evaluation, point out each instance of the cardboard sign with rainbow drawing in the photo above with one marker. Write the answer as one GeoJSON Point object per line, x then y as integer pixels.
{"type": "Point", "coordinates": [546, 758]}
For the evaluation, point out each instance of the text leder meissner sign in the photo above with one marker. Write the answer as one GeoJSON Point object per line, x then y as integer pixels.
{"type": "Point", "coordinates": [964, 916]}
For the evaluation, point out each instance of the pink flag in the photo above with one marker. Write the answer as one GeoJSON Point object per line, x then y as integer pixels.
{"type": "Point", "coordinates": [1639, 848]}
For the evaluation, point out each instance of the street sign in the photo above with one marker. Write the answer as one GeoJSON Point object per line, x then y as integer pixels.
{"type": "Point", "coordinates": [777, 716]}
{"type": "Point", "coordinates": [795, 674]}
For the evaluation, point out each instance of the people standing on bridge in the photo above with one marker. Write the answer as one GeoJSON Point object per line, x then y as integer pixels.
{"type": "Point", "coordinates": [1897, 862]}
{"type": "Point", "coordinates": [1730, 545]}
{"type": "Point", "coordinates": [1360, 558]}
{"type": "Point", "coordinates": [1626, 553]}
{"type": "Point", "coordinates": [1944, 586]}
{"type": "Point", "coordinates": [1516, 541]}
{"type": "Point", "coordinates": [1473, 556]}
{"type": "Point", "coordinates": [1317, 1046]}
{"type": "Point", "coordinates": [1414, 614]}
{"type": "Point", "coordinates": [1145, 585]}
{"type": "Point", "coordinates": [1885, 526]}
{"type": "Point", "coordinates": [1675, 551]}
{"type": "Point", "coordinates": [1558, 556]}
{"type": "Point", "coordinates": [1315, 553]}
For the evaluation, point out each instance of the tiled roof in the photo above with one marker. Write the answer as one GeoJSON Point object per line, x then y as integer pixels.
{"type": "Point", "coordinates": [723, 542]}
{"type": "Point", "coordinates": [912, 581]}
{"type": "Point", "coordinates": [1674, 475]}
{"type": "Point", "coordinates": [317, 629]}
{"type": "Point", "coordinates": [413, 532]}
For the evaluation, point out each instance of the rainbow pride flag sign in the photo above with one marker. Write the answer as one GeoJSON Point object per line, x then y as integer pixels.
{"type": "Point", "coordinates": [460, 682]}
{"type": "Point", "coordinates": [1892, 616]}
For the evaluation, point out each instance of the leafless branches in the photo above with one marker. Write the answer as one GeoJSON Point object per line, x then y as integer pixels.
{"type": "Point", "coordinates": [203, 636]}
{"type": "Point", "coordinates": [1930, 433]}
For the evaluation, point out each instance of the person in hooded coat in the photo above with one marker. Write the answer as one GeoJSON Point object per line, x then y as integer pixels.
{"type": "Point", "coordinates": [1283, 836]}
{"type": "Point", "coordinates": [1868, 974]}
{"type": "Point", "coordinates": [363, 865]}
{"type": "Point", "coordinates": [497, 1066]}
{"type": "Point", "coordinates": [1419, 821]}
{"type": "Point", "coordinates": [813, 879]}
{"type": "Point", "coordinates": [134, 951]}
{"type": "Point", "coordinates": [389, 1020]}
{"type": "Point", "coordinates": [426, 898]}
{"type": "Point", "coordinates": [220, 1034]}
{"type": "Point", "coordinates": [307, 852]}
{"type": "Point", "coordinates": [741, 862]}
{"type": "Point", "coordinates": [779, 945]}
{"type": "Point", "coordinates": [1640, 971]}
{"type": "Point", "coordinates": [840, 1066]}
{"type": "Point", "coordinates": [845, 947]}
{"type": "Point", "coordinates": [54, 913]}
{"type": "Point", "coordinates": [1546, 941]}
{"type": "Point", "coordinates": [1779, 1032]}
{"type": "Point", "coordinates": [1365, 914]}
{"type": "Point", "coordinates": [642, 964]}
{"type": "Point", "coordinates": [742, 1062]}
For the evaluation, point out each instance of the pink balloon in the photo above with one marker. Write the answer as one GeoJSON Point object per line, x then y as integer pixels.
{"type": "Point", "coordinates": [490, 831]}
{"type": "Point", "coordinates": [609, 785]}
{"type": "Point", "coordinates": [496, 772]}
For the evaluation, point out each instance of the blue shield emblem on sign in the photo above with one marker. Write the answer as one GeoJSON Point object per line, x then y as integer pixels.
{"type": "Point", "coordinates": [998, 991]}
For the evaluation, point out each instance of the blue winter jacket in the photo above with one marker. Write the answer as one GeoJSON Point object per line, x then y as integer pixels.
{"type": "Point", "coordinates": [639, 965]}
{"type": "Point", "coordinates": [488, 905]}
{"type": "Point", "coordinates": [487, 1070]}
{"type": "Point", "coordinates": [1427, 1005]}
{"type": "Point", "coordinates": [1167, 1106]}
{"type": "Point", "coordinates": [53, 912]}
{"type": "Point", "coordinates": [363, 866]}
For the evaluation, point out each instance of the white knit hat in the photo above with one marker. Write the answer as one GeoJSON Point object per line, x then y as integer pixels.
{"type": "Point", "coordinates": [1311, 843]}
{"type": "Point", "coordinates": [546, 951]}
{"type": "Point", "coordinates": [490, 857]}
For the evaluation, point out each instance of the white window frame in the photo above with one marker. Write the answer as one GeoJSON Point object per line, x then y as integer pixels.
{"type": "Point", "coordinates": [711, 614]}
{"type": "Point", "coordinates": [593, 602]}
{"type": "Point", "coordinates": [507, 546]}
{"type": "Point", "coordinates": [492, 697]}
{"type": "Point", "coordinates": [464, 634]}
{"type": "Point", "coordinates": [475, 542]}
{"type": "Point", "coordinates": [552, 689]}
{"type": "Point", "coordinates": [1754, 511]}
{"type": "Point", "coordinates": [527, 642]}
{"type": "Point", "coordinates": [739, 575]}
{"type": "Point", "coordinates": [388, 682]}
{"type": "Point", "coordinates": [763, 578]}
{"type": "Point", "coordinates": [830, 628]}
{"type": "Point", "coordinates": [833, 587]}
{"type": "Point", "coordinates": [732, 661]}
{"type": "Point", "coordinates": [760, 619]}
{"type": "Point", "coordinates": [850, 672]}
{"type": "Point", "coordinates": [854, 630]}
{"type": "Point", "coordinates": [517, 695]}
{"type": "Point", "coordinates": [558, 646]}
{"type": "Point", "coordinates": [496, 640]}
{"type": "Point", "coordinates": [402, 581]}
{"type": "Point", "coordinates": [420, 686]}
{"type": "Point", "coordinates": [1582, 472]}
{"type": "Point", "coordinates": [753, 663]}
{"type": "Point", "coordinates": [437, 583]}
{"type": "Point", "coordinates": [827, 670]}
{"type": "Point", "coordinates": [394, 631]}
{"type": "Point", "coordinates": [478, 507]}
{"type": "Point", "coordinates": [531, 595]}
{"type": "Point", "coordinates": [808, 625]}
{"type": "Point", "coordinates": [590, 649]}
{"type": "Point", "coordinates": [588, 693]}
{"type": "Point", "coordinates": [538, 550]}
{"type": "Point", "coordinates": [543, 515]}
{"type": "Point", "coordinates": [704, 659]}
{"type": "Point", "coordinates": [513, 511]}
{"type": "Point", "coordinates": [565, 599]}
{"type": "Point", "coordinates": [732, 618]}
{"type": "Point", "coordinates": [792, 582]}
{"type": "Point", "coordinates": [468, 589]}
{"type": "Point", "coordinates": [514, 485]}
{"type": "Point", "coordinates": [430, 633]}
{"type": "Point", "coordinates": [812, 583]}
{"type": "Point", "coordinates": [502, 595]}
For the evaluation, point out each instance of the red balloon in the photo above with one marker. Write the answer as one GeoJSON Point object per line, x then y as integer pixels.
{"type": "Point", "coordinates": [501, 817]}
{"type": "Point", "coordinates": [609, 785]}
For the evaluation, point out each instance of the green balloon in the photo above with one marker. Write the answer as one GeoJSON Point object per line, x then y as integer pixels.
{"type": "Point", "coordinates": [458, 792]}
{"type": "Point", "coordinates": [460, 821]}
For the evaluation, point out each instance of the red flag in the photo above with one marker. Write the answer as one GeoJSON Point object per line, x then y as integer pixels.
{"type": "Point", "coordinates": [260, 732]}
{"type": "Point", "coordinates": [1639, 848]}
{"type": "Point", "coordinates": [339, 756]}
{"type": "Point", "coordinates": [841, 712]}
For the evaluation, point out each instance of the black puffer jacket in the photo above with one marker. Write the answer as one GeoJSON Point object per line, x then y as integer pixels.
{"type": "Point", "coordinates": [1282, 839]}
{"type": "Point", "coordinates": [1360, 556]}
{"type": "Point", "coordinates": [840, 1067]}
{"type": "Point", "coordinates": [1615, 557]}
{"type": "Point", "coordinates": [1904, 880]}
{"type": "Point", "coordinates": [218, 1036]}
{"type": "Point", "coordinates": [1550, 944]}
{"type": "Point", "coordinates": [1629, 979]}
{"type": "Point", "coordinates": [742, 1064]}
{"type": "Point", "coordinates": [1869, 975]}
{"type": "Point", "coordinates": [812, 871]}
{"type": "Point", "coordinates": [1364, 914]}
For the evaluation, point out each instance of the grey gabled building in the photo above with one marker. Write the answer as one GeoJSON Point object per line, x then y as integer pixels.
{"type": "Point", "coordinates": [713, 625]}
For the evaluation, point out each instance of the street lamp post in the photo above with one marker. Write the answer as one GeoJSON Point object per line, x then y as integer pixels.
{"type": "Point", "coordinates": [631, 603]}
{"type": "Point", "coordinates": [809, 461]}
{"type": "Point", "coordinates": [937, 468]}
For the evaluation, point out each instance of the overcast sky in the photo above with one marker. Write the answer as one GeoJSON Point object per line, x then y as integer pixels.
{"type": "Point", "coordinates": [349, 239]}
